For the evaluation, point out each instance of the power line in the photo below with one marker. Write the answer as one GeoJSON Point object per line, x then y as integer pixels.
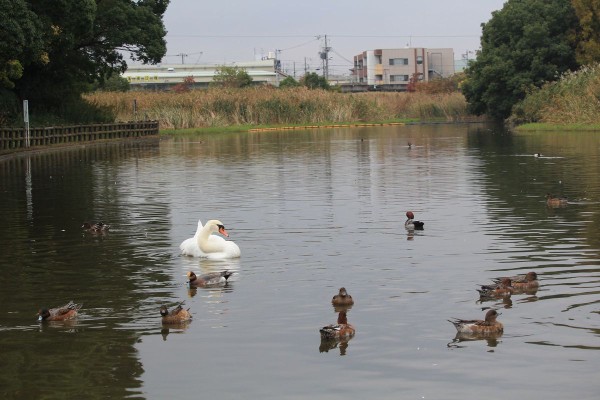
{"type": "Point", "coordinates": [312, 36]}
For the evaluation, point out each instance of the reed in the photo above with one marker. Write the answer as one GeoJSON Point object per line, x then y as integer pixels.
{"type": "Point", "coordinates": [573, 99]}
{"type": "Point", "coordinates": [222, 107]}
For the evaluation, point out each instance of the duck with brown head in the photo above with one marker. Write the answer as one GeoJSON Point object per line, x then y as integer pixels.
{"type": "Point", "coordinates": [410, 222]}
{"type": "Point", "coordinates": [502, 289]}
{"type": "Point", "coordinates": [340, 330]}
{"type": "Point", "coordinates": [342, 298]}
{"type": "Point", "coordinates": [489, 325]}
{"type": "Point", "coordinates": [555, 202]}
{"type": "Point", "coordinates": [208, 279]}
{"type": "Point", "coordinates": [522, 282]}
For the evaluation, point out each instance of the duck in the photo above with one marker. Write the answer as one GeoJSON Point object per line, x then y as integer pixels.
{"type": "Point", "coordinates": [501, 289]}
{"type": "Point", "coordinates": [177, 316]}
{"type": "Point", "coordinates": [338, 331]}
{"type": "Point", "coordinates": [411, 223]}
{"type": "Point", "coordinates": [488, 326]}
{"type": "Point", "coordinates": [537, 154]}
{"type": "Point", "coordinates": [556, 201]}
{"type": "Point", "coordinates": [522, 282]}
{"type": "Point", "coordinates": [206, 245]}
{"type": "Point", "coordinates": [66, 312]}
{"type": "Point", "coordinates": [342, 298]}
{"type": "Point", "coordinates": [98, 227]}
{"type": "Point", "coordinates": [209, 279]}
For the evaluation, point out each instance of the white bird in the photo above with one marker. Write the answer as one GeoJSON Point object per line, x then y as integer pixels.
{"type": "Point", "coordinates": [205, 244]}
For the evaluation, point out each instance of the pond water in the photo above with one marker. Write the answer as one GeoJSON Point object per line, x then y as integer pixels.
{"type": "Point", "coordinates": [311, 211]}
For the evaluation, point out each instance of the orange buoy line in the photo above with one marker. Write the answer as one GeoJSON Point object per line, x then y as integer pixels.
{"type": "Point", "coordinates": [321, 126]}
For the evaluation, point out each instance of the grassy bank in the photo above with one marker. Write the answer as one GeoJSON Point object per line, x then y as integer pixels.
{"type": "Point", "coordinates": [572, 103]}
{"type": "Point", "coordinates": [266, 106]}
{"type": "Point", "coordinates": [546, 127]}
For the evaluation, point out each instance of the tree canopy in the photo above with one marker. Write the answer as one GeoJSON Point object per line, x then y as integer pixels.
{"type": "Point", "coordinates": [288, 82]}
{"type": "Point", "coordinates": [61, 47]}
{"type": "Point", "coordinates": [312, 80]}
{"type": "Point", "coordinates": [588, 35]}
{"type": "Point", "coordinates": [233, 77]}
{"type": "Point", "coordinates": [523, 45]}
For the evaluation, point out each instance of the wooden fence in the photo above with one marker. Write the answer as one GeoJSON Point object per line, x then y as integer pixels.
{"type": "Point", "coordinates": [13, 139]}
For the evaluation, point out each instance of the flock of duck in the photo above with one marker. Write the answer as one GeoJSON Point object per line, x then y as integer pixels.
{"type": "Point", "coordinates": [206, 244]}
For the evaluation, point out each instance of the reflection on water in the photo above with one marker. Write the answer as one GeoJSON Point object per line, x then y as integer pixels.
{"type": "Point", "coordinates": [491, 339]}
{"type": "Point", "coordinates": [330, 344]}
{"type": "Point", "coordinates": [312, 211]}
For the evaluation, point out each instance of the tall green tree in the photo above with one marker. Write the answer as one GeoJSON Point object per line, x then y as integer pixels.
{"type": "Point", "coordinates": [233, 77]}
{"type": "Point", "coordinates": [288, 82]}
{"type": "Point", "coordinates": [85, 41]}
{"type": "Point", "coordinates": [588, 34]}
{"type": "Point", "coordinates": [21, 41]}
{"type": "Point", "coordinates": [523, 45]}
{"type": "Point", "coordinates": [312, 80]}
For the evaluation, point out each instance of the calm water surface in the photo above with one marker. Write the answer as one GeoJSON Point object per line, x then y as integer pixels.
{"type": "Point", "coordinates": [311, 211]}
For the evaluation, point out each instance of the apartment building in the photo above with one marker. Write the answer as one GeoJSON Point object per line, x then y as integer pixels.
{"type": "Point", "coordinates": [392, 69]}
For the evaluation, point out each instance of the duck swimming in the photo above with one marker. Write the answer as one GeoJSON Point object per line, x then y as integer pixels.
{"type": "Point", "coordinates": [340, 330]}
{"type": "Point", "coordinates": [522, 282]}
{"type": "Point", "coordinates": [177, 316]}
{"type": "Point", "coordinates": [66, 312]}
{"type": "Point", "coordinates": [209, 279]}
{"type": "Point", "coordinates": [342, 298]}
{"type": "Point", "coordinates": [98, 227]}
{"type": "Point", "coordinates": [488, 326]}
{"type": "Point", "coordinates": [552, 201]}
{"type": "Point", "coordinates": [502, 289]}
{"type": "Point", "coordinates": [410, 223]}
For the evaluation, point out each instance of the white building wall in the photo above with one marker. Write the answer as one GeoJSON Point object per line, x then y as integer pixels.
{"type": "Point", "coordinates": [371, 65]}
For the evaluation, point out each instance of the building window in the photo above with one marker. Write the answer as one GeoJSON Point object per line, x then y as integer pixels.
{"type": "Point", "coordinates": [377, 59]}
{"type": "Point", "coordinates": [419, 60]}
{"type": "Point", "coordinates": [398, 61]}
{"type": "Point", "coordinates": [398, 78]}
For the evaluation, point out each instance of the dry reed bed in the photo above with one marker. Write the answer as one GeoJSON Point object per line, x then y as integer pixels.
{"type": "Point", "coordinates": [218, 107]}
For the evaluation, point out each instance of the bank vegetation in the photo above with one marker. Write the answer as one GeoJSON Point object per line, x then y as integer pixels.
{"type": "Point", "coordinates": [260, 106]}
{"type": "Point", "coordinates": [571, 101]}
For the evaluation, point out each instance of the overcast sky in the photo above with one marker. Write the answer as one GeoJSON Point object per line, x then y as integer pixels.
{"type": "Point", "coordinates": [228, 31]}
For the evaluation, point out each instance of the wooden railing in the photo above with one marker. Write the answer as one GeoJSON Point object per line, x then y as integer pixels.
{"type": "Point", "coordinates": [13, 139]}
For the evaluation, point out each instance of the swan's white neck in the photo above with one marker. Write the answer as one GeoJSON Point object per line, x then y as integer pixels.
{"type": "Point", "coordinates": [204, 242]}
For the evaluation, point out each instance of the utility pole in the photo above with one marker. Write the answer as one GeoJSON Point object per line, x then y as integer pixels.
{"type": "Point", "coordinates": [182, 55]}
{"type": "Point", "coordinates": [325, 59]}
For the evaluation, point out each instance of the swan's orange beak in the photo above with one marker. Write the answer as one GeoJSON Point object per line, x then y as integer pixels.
{"type": "Point", "coordinates": [223, 232]}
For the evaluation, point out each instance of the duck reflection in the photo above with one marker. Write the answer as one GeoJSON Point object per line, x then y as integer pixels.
{"type": "Point", "coordinates": [505, 302]}
{"type": "Point", "coordinates": [70, 325]}
{"type": "Point", "coordinates": [174, 328]}
{"type": "Point", "coordinates": [330, 344]}
{"type": "Point", "coordinates": [213, 291]}
{"type": "Point", "coordinates": [492, 339]}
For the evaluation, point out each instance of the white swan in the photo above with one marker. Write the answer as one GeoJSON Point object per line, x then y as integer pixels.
{"type": "Point", "coordinates": [205, 244]}
{"type": "Point", "coordinates": [189, 247]}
